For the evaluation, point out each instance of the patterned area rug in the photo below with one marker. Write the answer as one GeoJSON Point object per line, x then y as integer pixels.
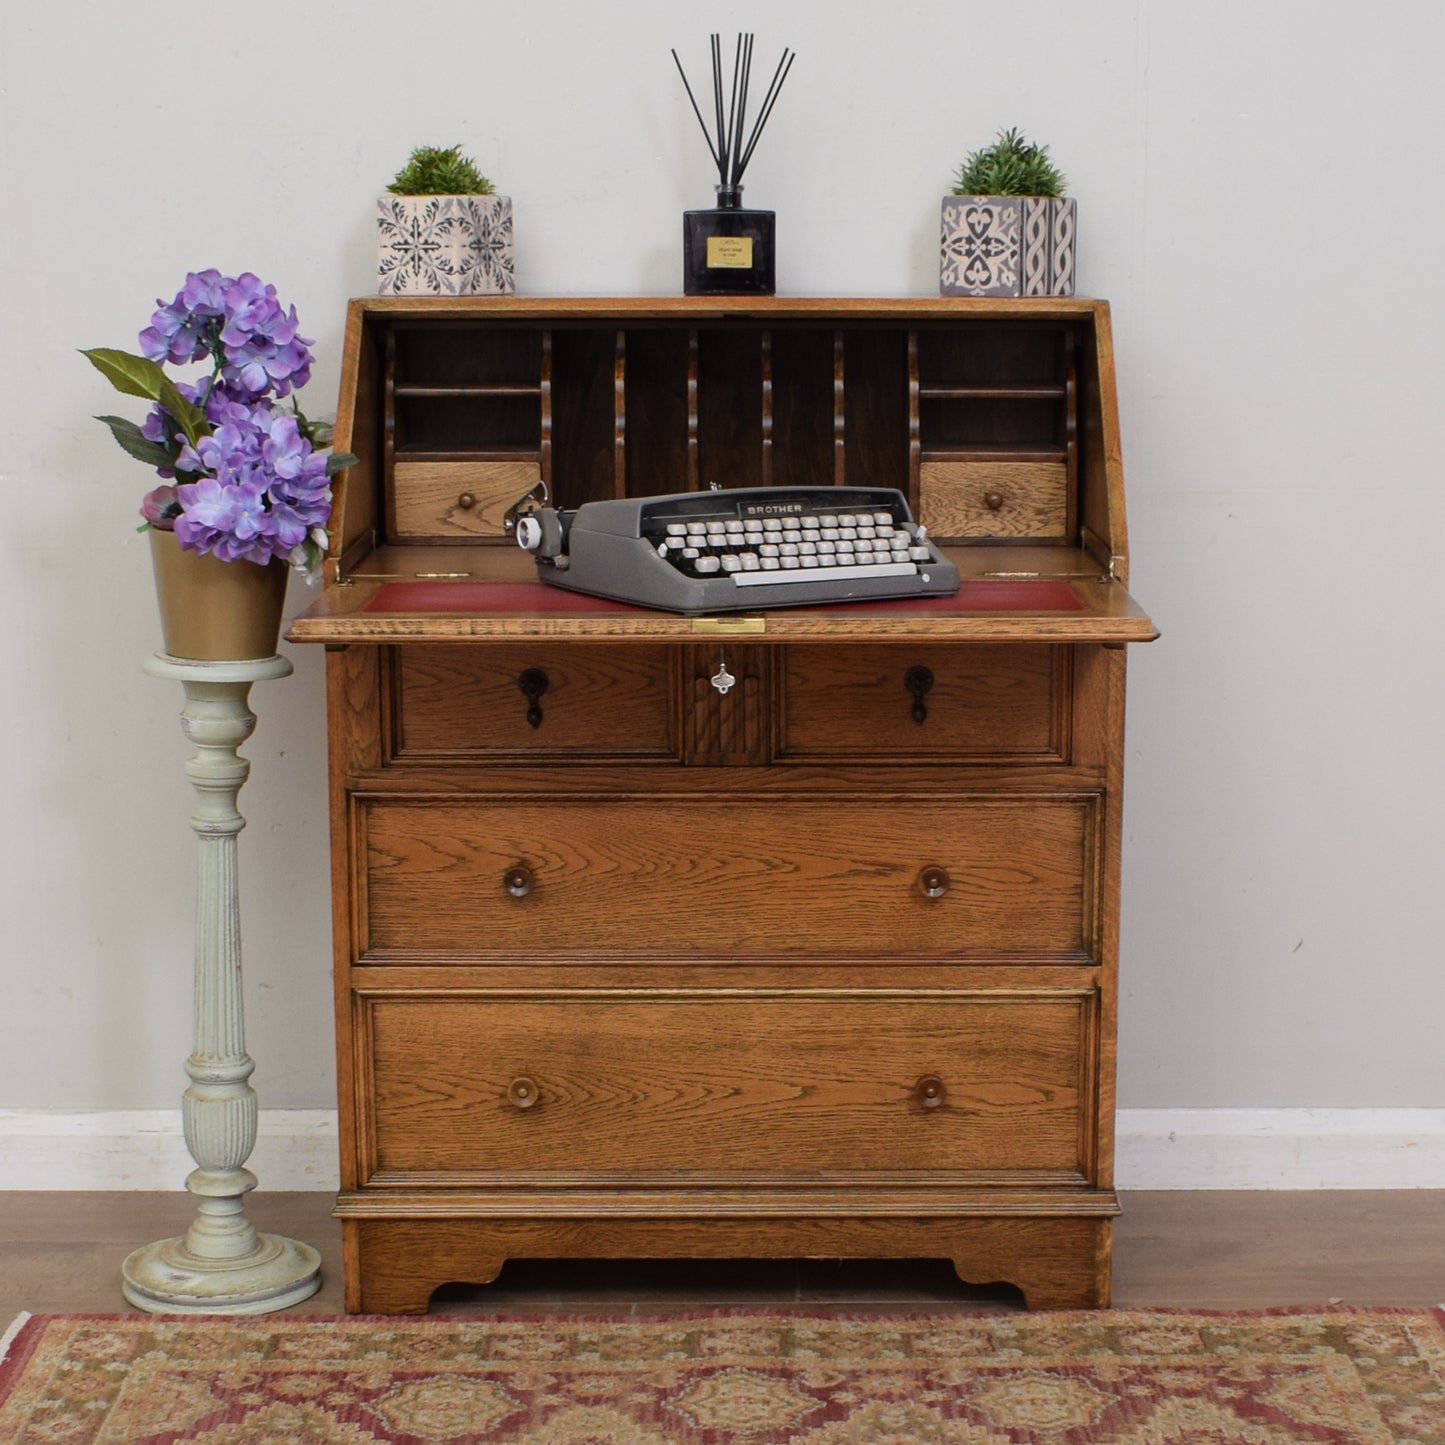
{"type": "Point", "coordinates": [1356, 1377]}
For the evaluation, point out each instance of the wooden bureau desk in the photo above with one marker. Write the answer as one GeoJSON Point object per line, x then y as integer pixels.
{"type": "Point", "coordinates": [823, 965]}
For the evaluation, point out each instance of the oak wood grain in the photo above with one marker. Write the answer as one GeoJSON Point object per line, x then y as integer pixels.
{"type": "Point", "coordinates": [727, 874]}
{"type": "Point", "coordinates": [732, 1090]}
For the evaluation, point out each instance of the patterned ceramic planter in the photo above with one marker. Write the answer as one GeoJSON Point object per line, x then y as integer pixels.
{"type": "Point", "coordinates": [1007, 246]}
{"type": "Point", "coordinates": [445, 246]}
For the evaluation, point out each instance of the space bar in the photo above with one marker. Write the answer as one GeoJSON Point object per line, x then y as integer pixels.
{"type": "Point", "coordinates": [825, 574]}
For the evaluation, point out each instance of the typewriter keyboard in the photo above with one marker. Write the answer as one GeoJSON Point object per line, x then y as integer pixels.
{"type": "Point", "coordinates": [814, 546]}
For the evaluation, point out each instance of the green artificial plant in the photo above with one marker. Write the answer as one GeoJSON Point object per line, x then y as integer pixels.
{"type": "Point", "coordinates": [440, 171]}
{"type": "Point", "coordinates": [1011, 166]}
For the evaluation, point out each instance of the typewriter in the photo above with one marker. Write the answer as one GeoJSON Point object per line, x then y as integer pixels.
{"type": "Point", "coordinates": [738, 550]}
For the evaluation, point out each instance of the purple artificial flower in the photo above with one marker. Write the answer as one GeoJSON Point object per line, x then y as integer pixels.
{"type": "Point", "coordinates": [252, 486]}
{"type": "Point", "coordinates": [186, 329]}
{"type": "Point", "coordinates": [262, 491]}
{"type": "Point", "coordinates": [238, 322]}
{"type": "Point", "coordinates": [227, 520]}
{"type": "Point", "coordinates": [263, 353]}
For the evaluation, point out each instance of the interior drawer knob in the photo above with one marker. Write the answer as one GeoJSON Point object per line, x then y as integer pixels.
{"type": "Point", "coordinates": [523, 1092]}
{"type": "Point", "coordinates": [929, 1092]}
{"type": "Point", "coordinates": [993, 501]}
{"type": "Point", "coordinates": [934, 881]}
{"type": "Point", "coordinates": [518, 880]}
{"type": "Point", "coordinates": [466, 501]}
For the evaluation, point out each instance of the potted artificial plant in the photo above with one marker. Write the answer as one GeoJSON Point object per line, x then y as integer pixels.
{"type": "Point", "coordinates": [1008, 228]}
{"type": "Point", "coordinates": [245, 488]}
{"type": "Point", "coordinates": [443, 230]}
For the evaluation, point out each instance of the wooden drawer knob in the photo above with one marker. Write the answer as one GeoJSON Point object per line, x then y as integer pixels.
{"type": "Point", "coordinates": [934, 881]}
{"type": "Point", "coordinates": [929, 1092]}
{"type": "Point", "coordinates": [466, 501]}
{"type": "Point", "coordinates": [518, 880]}
{"type": "Point", "coordinates": [993, 501]}
{"type": "Point", "coordinates": [523, 1092]}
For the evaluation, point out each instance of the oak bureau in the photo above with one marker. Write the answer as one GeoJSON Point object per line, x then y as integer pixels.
{"type": "Point", "coordinates": [821, 963]}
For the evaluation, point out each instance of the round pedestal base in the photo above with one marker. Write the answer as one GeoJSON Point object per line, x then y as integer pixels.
{"type": "Point", "coordinates": [166, 1278]}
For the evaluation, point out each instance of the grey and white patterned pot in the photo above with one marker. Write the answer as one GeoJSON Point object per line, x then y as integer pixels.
{"type": "Point", "coordinates": [1007, 246]}
{"type": "Point", "coordinates": [445, 246]}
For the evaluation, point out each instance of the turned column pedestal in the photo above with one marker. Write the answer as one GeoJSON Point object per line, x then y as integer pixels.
{"type": "Point", "coordinates": [221, 1265]}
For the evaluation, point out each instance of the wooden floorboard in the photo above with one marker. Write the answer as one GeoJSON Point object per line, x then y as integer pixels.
{"type": "Point", "coordinates": [61, 1253]}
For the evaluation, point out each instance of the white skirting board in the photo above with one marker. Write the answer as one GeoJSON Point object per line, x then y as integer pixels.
{"type": "Point", "coordinates": [1156, 1149]}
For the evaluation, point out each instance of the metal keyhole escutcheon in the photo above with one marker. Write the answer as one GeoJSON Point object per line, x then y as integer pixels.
{"type": "Point", "coordinates": [918, 680]}
{"type": "Point", "coordinates": [534, 682]}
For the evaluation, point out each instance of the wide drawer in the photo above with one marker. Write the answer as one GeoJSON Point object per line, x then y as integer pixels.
{"type": "Point", "coordinates": [968, 1085]}
{"type": "Point", "coordinates": [931, 702]}
{"type": "Point", "coordinates": [529, 702]}
{"type": "Point", "coordinates": [726, 875]}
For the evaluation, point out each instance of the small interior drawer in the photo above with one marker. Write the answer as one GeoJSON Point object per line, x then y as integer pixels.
{"type": "Point", "coordinates": [529, 702]}
{"type": "Point", "coordinates": [994, 498]}
{"type": "Point", "coordinates": [450, 501]}
{"type": "Point", "coordinates": [728, 1085]}
{"type": "Point", "coordinates": [930, 702]}
{"type": "Point", "coordinates": [990, 876]}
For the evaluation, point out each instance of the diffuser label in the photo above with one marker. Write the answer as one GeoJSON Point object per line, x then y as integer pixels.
{"type": "Point", "coordinates": [733, 251]}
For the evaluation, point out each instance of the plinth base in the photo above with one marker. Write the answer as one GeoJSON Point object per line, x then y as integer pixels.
{"type": "Point", "coordinates": [166, 1278]}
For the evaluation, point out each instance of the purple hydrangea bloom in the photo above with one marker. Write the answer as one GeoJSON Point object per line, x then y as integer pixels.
{"type": "Point", "coordinates": [262, 348]}
{"type": "Point", "coordinates": [262, 491]}
{"type": "Point", "coordinates": [239, 323]}
{"type": "Point", "coordinates": [251, 487]}
{"type": "Point", "coordinates": [185, 330]}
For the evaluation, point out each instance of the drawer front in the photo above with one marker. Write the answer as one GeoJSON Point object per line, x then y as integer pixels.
{"type": "Point", "coordinates": [717, 876]}
{"type": "Point", "coordinates": [727, 1086]}
{"type": "Point", "coordinates": [455, 500]}
{"type": "Point", "coordinates": [994, 498]}
{"type": "Point", "coordinates": [528, 702]}
{"type": "Point", "coordinates": [1000, 703]}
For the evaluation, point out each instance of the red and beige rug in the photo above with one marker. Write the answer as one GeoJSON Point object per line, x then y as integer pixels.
{"type": "Point", "coordinates": [1356, 1377]}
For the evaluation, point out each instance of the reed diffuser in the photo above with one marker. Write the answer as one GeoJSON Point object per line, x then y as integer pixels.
{"type": "Point", "coordinates": [728, 250]}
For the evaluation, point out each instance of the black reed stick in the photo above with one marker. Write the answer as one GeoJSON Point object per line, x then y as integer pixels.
{"type": "Point", "coordinates": [727, 150]}
{"type": "Point", "coordinates": [769, 101]}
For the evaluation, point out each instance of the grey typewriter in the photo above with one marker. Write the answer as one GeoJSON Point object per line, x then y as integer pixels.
{"type": "Point", "coordinates": [744, 549]}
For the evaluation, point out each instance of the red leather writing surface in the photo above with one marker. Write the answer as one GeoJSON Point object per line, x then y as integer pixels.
{"type": "Point", "coordinates": [461, 598]}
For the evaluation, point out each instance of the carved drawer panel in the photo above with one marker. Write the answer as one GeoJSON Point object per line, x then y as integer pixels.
{"type": "Point", "coordinates": [927, 703]}
{"type": "Point", "coordinates": [707, 874]}
{"type": "Point", "coordinates": [528, 701]}
{"type": "Point", "coordinates": [969, 1086]}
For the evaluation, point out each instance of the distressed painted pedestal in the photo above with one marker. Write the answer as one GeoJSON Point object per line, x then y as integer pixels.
{"type": "Point", "coordinates": [221, 1265]}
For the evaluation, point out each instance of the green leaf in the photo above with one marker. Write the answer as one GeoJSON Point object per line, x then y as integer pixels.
{"type": "Point", "coordinates": [192, 420]}
{"type": "Point", "coordinates": [133, 375]}
{"type": "Point", "coordinates": [128, 434]}
{"type": "Point", "coordinates": [339, 461]}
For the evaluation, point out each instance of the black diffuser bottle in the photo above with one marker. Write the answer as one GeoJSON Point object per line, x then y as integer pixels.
{"type": "Point", "coordinates": [729, 250]}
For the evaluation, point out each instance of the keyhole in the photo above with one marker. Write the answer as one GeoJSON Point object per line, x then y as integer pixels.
{"type": "Point", "coordinates": [534, 683]}
{"type": "Point", "coordinates": [918, 680]}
